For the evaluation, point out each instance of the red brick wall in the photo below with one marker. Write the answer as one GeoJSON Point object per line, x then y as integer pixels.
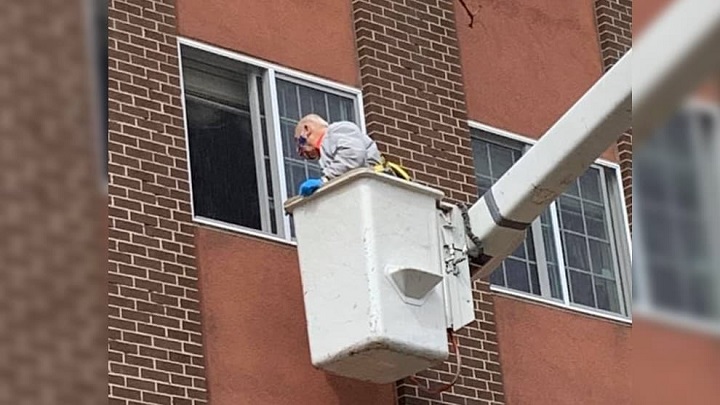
{"type": "Point", "coordinates": [415, 108]}
{"type": "Point", "coordinates": [614, 21]}
{"type": "Point", "coordinates": [155, 344]}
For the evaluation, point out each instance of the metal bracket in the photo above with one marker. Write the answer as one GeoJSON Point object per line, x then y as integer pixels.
{"type": "Point", "coordinates": [456, 264]}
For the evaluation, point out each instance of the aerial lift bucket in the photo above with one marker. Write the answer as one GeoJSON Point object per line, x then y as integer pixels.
{"type": "Point", "coordinates": [370, 258]}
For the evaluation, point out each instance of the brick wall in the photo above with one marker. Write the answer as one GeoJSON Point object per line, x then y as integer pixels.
{"type": "Point", "coordinates": [52, 298]}
{"type": "Point", "coordinates": [155, 344]}
{"type": "Point", "coordinates": [614, 22]}
{"type": "Point", "coordinates": [415, 108]}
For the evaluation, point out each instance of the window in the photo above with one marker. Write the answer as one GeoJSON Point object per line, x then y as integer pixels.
{"type": "Point", "coordinates": [675, 188]}
{"type": "Point", "coordinates": [572, 252]}
{"type": "Point", "coordinates": [241, 116]}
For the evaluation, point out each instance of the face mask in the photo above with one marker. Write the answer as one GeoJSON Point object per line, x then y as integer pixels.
{"type": "Point", "coordinates": [311, 154]}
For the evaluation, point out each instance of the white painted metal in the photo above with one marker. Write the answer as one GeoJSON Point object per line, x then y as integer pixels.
{"type": "Point", "coordinates": [277, 69]}
{"type": "Point", "coordinates": [459, 303]}
{"type": "Point", "coordinates": [673, 57]}
{"type": "Point", "coordinates": [560, 304]}
{"type": "Point", "coordinates": [259, 151]}
{"type": "Point", "coordinates": [277, 159]}
{"type": "Point", "coordinates": [560, 253]}
{"type": "Point", "coordinates": [546, 170]}
{"type": "Point", "coordinates": [352, 235]}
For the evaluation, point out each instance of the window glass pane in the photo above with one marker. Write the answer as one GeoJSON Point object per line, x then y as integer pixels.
{"type": "Point", "coordinates": [224, 187]}
{"type": "Point", "coordinates": [702, 296]}
{"type": "Point", "coordinates": [534, 280]}
{"type": "Point", "coordinates": [573, 190]}
{"type": "Point", "coordinates": [335, 108]}
{"type": "Point", "coordinates": [555, 283]}
{"type": "Point", "coordinates": [590, 186]}
{"type": "Point", "coordinates": [582, 289]}
{"type": "Point", "coordinates": [601, 257]}
{"type": "Point", "coordinates": [687, 193]}
{"type": "Point", "coordinates": [692, 241]}
{"type": "Point", "coordinates": [349, 110]}
{"type": "Point", "coordinates": [656, 231]}
{"type": "Point", "coordinates": [483, 184]}
{"type": "Point", "coordinates": [288, 100]}
{"type": "Point", "coordinates": [481, 159]}
{"type": "Point", "coordinates": [498, 276]}
{"type": "Point", "coordinates": [221, 139]}
{"type": "Point", "coordinates": [664, 282]}
{"type": "Point", "coordinates": [576, 254]}
{"type": "Point", "coordinates": [607, 297]}
{"type": "Point", "coordinates": [571, 214]}
{"type": "Point", "coordinates": [501, 159]}
{"type": "Point", "coordinates": [519, 252]}
{"type": "Point", "coordinates": [517, 275]}
{"type": "Point", "coordinates": [530, 247]}
{"type": "Point", "coordinates": [595, 220]}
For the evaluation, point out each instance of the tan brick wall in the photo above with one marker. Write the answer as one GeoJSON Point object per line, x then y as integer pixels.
{"type": "Point", "coordinates": [415, 108]}
{"type": "Point", "coordinates": [614, 21]}
{"type": "Point", "coordinates": [155, 344]}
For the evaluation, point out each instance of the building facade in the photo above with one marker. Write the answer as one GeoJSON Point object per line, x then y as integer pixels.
{"type": "Point", "coordinates": [205, 301]}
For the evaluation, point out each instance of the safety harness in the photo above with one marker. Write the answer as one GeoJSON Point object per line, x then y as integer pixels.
{"type": "Point", "coordinates": [392, 169]}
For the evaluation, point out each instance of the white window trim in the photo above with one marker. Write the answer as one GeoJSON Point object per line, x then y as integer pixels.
{"type": "Point", "coordinates": [625, 273]}
{"type": "Point", "coordinates": [583, 310]}
{"type": "Point", "coordinates": [272, 72]}
{"type": "Point", "coordinates": [643, 305]}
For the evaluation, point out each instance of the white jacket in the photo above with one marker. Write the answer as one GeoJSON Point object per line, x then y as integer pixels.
{"type": "Point", "coordinates": [344, 148]}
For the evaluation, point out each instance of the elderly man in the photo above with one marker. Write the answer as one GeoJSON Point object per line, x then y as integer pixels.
{"type": "Point", "coordinates": [340, 147]}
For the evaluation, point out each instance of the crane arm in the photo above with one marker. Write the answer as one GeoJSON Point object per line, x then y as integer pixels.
{"type": "Point", "coordinates": [672, 59]}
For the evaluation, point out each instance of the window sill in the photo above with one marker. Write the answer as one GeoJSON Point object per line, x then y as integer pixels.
{"type": "Point", "coordinates": [242, 230]}
{"type": "Point", "coordinates": [677, 320]}
{"type": "Point", "coordinates": [558, 304]}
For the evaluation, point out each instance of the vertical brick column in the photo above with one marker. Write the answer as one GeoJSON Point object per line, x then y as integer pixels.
{"type": "Point", "coordinates": [52, 298]}
{"type": "Point", "coordinates": [415, 108]}
{"type": "Point", "coordinates": [155, 344]}
{"type": "Point", "coordinates": [614, 22]}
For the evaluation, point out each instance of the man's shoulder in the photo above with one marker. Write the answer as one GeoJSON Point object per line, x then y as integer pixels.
{"type": "Point", "coordinates": [343, 127]}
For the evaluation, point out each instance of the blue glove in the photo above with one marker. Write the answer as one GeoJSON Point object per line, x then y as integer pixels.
{"type": "Point", "coordinates": [309, 186]}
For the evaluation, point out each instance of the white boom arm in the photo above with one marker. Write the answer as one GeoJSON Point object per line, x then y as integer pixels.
{"type": "Point", "coordinates": [674, 57]}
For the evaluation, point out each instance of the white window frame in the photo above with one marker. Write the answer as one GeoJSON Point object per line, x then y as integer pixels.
{"type": "Point", "coordinates": [270, 74]}
{"type": "Point", "coordinates": [621, 240]}
{"type": "Point", "coordinates": [643, 305]}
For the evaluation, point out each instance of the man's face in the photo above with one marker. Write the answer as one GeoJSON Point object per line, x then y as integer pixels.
{"type": "Point", "coordinates": [305, 139]}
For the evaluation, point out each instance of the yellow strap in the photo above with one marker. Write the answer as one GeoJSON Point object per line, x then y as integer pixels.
{"type": "Point", "coordinates": [392, 168]}
{"type": "Point", "coordinates": [399, 170]}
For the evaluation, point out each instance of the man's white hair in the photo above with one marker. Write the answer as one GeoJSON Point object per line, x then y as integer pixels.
{"type": "Point", "coordinates": [310, 118]}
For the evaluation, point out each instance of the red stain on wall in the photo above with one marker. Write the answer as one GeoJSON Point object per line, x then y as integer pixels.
{"type": "Point", "coordinates": [554, 356]}
{"type": "Point", "coordinates": [311, 36]}
{"type": "Point", "coordinates": [525, 63]}
{"type": "Point", "coordinates": [254, 329]}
